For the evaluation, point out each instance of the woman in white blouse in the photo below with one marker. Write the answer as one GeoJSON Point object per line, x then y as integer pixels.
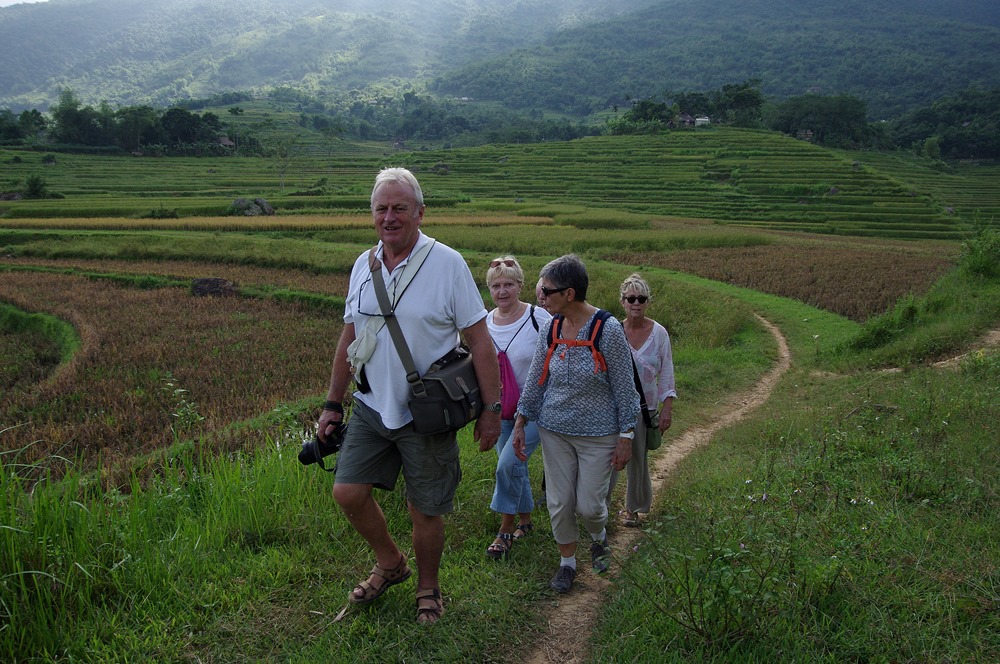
{"type": "Point", "coordinates": [650, 345]}
{"type": "Point", "coordinates": [513, 326]}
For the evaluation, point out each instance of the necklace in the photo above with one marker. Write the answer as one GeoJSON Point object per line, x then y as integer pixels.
{"type": "Point", "coordinates": [499, 316]}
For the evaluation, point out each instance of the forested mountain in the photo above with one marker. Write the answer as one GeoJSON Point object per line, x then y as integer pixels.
{"type": "Point", "coordinates": [894, 55]}
{"type": "Point", "coordinates": [571, 56]}
{"type": "Point", "coordinates": [145, 51]}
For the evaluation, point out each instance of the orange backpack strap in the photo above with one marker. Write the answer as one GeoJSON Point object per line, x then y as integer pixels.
{"type": "Point", "coordinates": [553, 342]}
{"type": "Point", "coordinates": [595, 334]}
{"type": "Point", "coordinates": [599, 363]}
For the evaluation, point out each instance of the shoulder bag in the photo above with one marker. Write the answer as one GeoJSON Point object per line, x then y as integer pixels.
{"type": "Point", "coordinates": [446, 397]}
{"type": "Point", "coordinates": [653, 435]}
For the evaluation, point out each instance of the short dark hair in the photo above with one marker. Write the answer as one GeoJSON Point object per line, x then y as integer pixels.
{"type": "Point", "coordinates": [568, 272]}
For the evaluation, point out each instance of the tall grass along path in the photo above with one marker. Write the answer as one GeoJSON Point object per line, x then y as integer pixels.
{"type": "Point", "coordinates": [576, 612]}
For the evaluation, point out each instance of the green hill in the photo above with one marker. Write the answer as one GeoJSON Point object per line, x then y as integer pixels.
{"type": "Point", "coordinates": [894, 56]}
{"type": "Point", "coordinates": [574, 57]}
{"type": "Point", "coordinates": [132, 51]}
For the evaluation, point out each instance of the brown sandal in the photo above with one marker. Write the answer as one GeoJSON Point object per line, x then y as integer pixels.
{"type": "Point", "coordinates": [500, 547]}
{"type": "Point", "coordinates": [523, 530]}
{"type": "Point", "coordinates": [430, 606]}
{"type": "Point", "coordinates": [390, 577]}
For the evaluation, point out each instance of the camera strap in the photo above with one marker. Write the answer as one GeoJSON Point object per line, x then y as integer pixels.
{"type": "Point", "coordinates": [363, 346]}
{"type": "Point", "coordinates": [412, 377]}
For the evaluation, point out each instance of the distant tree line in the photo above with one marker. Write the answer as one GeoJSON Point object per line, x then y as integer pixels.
{"type": "Point", "coordinates": [174, 131]}
{"type": "Point", "coordinates": [964, 126]}
{"type": "Point", "coordinates": [736, 104]}
{"type": "Point", "coordinates": [374, 115]}
{"type": "Point", "coordinates": [409, 116]}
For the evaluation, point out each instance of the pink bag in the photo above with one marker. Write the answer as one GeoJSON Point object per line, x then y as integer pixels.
{"type": "Point", "coordinates": [509, 391]}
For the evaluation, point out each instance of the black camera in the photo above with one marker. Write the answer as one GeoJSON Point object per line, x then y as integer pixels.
{"type": "Point", "coordinates": [315, 450]}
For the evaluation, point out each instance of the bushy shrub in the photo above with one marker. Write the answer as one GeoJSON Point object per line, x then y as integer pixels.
{"type": "Point", "coordinates": [880, 330]}
{"type": "Point", "coordinates": [981, 254]}
{"type": "Point", "coordinates": [35, 187]}
{"type": "Point", "coordinates": [161, 213]}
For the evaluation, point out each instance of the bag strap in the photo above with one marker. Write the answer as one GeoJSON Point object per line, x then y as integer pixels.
{"type": "Point", "coordinates": [597, 328]}
{"type": "Point", "coordinates": [389, 314]}
{"type": "Point", "coordinates": [646, 419]}
{"type": "Point", "coordinates": [599, 319]}
{"type": "Point", "coordinates": [505, 348]}
{"type": "Point", "coordinates": [534, 322]}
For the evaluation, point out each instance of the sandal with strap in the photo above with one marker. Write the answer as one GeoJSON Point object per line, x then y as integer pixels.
{"type": "Point", "coordinates": [501, 547]}
{"type": "Point", "coordinates": [390, 577]}
{"type": "Point", "coordinates": [523, 530]}
{"type": "Point", "coordinates": [430, 606]}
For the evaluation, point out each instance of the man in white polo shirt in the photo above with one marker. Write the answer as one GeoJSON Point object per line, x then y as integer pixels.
{"type": "Point", "coordinates": [434, 306]}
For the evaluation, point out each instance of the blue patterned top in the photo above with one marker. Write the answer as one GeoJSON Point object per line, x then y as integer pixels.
{"type": "Point", "coordinates": [574, 400]}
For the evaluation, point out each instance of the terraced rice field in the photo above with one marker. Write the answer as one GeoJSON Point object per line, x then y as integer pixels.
{"type": "Point", "coordinates": [720, 175]}
{"type": "Point", "coordinates": [728, 176]}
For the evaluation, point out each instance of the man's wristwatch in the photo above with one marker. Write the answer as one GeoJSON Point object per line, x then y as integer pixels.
{"type": "Point", "coordinates": [494, 407]}
{"type": "Point", "coordinates": [627, 434]}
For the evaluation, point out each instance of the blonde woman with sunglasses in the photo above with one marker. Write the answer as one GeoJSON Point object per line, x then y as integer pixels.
{"type": "Point", "coordinates": [650, 346]}
{"type": "Point", "coordinates": [514, 327]}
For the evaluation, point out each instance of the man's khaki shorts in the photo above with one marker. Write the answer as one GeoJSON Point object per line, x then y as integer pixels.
{"type": "Point", "coordinates": [372, 454]}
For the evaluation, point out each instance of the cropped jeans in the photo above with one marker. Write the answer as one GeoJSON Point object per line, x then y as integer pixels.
{"type": "Point", "coordinates": [512, 493]}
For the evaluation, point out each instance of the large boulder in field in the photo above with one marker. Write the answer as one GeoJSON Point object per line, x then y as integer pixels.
{"type": "Point", "coordinates": [244, 207]}
{"type": "Point", "coordinates": [212, 286]}
{"type": "Point", "coordinates": [265, 207]}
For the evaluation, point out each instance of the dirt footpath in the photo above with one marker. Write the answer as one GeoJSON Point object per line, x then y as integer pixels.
{"type": "Point", "coordinates": [572, 617]}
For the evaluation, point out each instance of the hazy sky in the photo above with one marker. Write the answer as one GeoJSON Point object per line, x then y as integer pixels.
{"type": "Point", "coordinates": [4, 3]}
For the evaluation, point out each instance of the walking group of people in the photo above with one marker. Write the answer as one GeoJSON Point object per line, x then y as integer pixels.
{"type": "Point", "coordinates": [559, 374]}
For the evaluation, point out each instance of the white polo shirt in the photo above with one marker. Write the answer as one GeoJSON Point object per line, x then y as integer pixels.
{"type": "Point", "coordinates": [441, 300]}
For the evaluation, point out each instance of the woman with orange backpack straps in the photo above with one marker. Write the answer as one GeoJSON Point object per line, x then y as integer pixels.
{"type": "Point", "coordinates": [581, 393]}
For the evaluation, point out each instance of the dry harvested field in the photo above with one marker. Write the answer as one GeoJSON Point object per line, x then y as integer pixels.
{"type": "Point", "coordinates": [153, 363]}
{"type": "Point", "coordinates": [854, 279]}
{"type": "Point", "coordinates": [240, 275]}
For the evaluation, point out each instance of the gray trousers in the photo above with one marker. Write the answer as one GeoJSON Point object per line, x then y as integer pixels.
{"type": "Point", "coordinates": [639, 490]}
{"type": "Point", "coordinates": [577, 478]}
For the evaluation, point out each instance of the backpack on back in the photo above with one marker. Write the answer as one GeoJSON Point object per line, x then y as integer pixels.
{"type": "Point", "coordinates": [510, 393]}
{"type": "Point", "coordinates": [592, 341]}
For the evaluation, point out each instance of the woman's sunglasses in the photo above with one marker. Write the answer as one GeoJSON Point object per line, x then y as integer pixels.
{"type": "Point", "coordinates": [632, 298]}
{"type": "Point", "coordinates": [548, 292]}
{"type": "Point", "coordinates": [508, 262]}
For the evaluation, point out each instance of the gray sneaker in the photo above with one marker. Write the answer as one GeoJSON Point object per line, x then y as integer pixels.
{"type": "Point", "coordinates": [563, 580]}
{"type": "Point", "coordinates": [600, 556]}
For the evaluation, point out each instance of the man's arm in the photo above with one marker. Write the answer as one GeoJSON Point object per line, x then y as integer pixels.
{"type": "Point", "coordinates": [340, 379]}
{"type": "Point", "coordinates": [484, 359]}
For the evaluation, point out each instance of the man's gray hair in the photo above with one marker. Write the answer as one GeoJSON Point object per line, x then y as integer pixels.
{"type": "Point", "coordinates": [399, 176]}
